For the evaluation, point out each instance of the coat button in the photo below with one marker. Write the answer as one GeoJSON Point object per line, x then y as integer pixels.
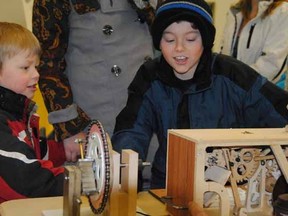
{"type": "Point", "coordinates": [116, 70]}
{"type": "Point", "coordinates": [107, 30]}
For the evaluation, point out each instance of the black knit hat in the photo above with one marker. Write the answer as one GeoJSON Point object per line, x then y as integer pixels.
{"type": "Point", "coordinates": [196, 11]}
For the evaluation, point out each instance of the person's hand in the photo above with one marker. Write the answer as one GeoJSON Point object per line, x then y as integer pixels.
{"type": "Point", "coordinates": [72, 148]}
{"type": "Point", "coordinates": [195, 209]}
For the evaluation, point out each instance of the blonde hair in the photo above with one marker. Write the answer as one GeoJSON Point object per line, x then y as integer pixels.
{"type": "Point", "coordinates": [246, 6]}
{"type": "Point", "coordinates": [14, 38]}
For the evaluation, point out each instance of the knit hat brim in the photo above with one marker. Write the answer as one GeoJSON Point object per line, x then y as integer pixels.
{"type": "Point", "coordinates": [171, 15]}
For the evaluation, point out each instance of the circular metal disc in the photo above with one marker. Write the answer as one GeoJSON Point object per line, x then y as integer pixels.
{"type": "Point", "coordinates": [98, 149]}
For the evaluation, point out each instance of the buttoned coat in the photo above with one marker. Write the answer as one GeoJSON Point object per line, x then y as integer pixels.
{"type": "Point", "coordinates": [91, 52]}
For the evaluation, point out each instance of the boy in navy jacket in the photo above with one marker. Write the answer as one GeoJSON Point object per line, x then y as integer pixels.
{"type": "Point", "coordinates": [190, 87]}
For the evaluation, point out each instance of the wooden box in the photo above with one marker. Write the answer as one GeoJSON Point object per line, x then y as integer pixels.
{"type": "Point", "coordinates": [186, 161]}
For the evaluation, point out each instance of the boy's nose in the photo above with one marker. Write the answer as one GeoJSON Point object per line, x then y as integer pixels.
{"type": "Point", "coordinates": [179, 46]}
{"type": "Point", "coordinates": [36, 73]}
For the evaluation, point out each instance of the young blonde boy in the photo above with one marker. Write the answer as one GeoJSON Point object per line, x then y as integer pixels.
{"type": "Point", "coordinates": [24, 170]}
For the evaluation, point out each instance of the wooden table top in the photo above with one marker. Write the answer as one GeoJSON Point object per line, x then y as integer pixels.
{"type": "Point", "coordinates": [50, 206]}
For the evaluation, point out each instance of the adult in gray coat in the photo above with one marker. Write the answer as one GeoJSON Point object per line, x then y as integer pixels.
{"type": "Point", "coordinates": [91, 51]}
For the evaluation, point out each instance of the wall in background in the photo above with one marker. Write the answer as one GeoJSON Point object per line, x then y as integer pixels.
{"type": "Point", "coordinates": [220, 8]}
{"type": "Point", "coordinates": [13, 11]}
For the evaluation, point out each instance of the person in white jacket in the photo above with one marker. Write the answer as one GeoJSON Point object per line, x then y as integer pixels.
{"type": "Point", "coordinates": [256, 33]}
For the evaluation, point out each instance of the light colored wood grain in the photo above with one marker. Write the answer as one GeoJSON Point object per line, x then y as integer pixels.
{"type": "Point", "coordinates": [35, 207]}
{"type": "Point", "coordinates": [186, 162]}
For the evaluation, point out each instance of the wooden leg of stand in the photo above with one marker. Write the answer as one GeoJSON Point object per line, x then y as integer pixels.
{"type": "Point", "coordinates": [123, 197]}
{"type": "Point", "coordinates": [223, 195]}
{"type": "Point", "coordinates": [114, 199]}
{"type": "Point", "coordinates": [72, 191]}
{"type": "Point", "coordinates": [129, 177]}
{"type": "Point", "coordinates": [233, 183]}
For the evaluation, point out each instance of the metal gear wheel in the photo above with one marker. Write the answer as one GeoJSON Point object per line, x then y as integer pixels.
{"type": "Point", "coordinates": [98, 148]}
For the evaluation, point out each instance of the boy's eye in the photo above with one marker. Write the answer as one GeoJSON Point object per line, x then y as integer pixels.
{"type": "Point", "coordinates": [169, 40]}
{"type": "Point", "coordinates": [191, 39]}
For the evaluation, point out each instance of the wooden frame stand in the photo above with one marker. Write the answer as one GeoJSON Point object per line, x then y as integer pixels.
{"type": "Point", "coordinates": [123, 195]}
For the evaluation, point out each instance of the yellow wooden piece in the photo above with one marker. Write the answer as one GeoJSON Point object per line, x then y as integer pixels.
{"type": "Point", "coordinates": [42, 112]}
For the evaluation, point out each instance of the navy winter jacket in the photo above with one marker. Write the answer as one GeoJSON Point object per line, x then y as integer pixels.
{"type": "Point", "coordinates": [224, 93]}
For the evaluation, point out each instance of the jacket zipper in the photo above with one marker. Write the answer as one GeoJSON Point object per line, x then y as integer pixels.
{"type": "Point", "coordinates": [250, 36]}
{"type": "Point", "coordinates": [234, 34]}
{"type": "Point", "coordinates": [29, 130]}
{"type": "Point", "coordinates": [281, 69]}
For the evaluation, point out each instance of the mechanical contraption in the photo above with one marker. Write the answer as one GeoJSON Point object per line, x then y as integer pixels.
{"type": "Point", "coordinates": [227, 171]}
{"type": "Point", "coordinates": [97, 176]}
